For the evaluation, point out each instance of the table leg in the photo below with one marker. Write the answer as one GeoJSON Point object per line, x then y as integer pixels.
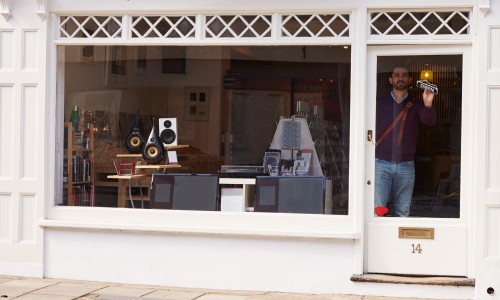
{"type": "Point", "coordinates": [140, 191]}
{"type": "Point", "coordinates": [130, 193]}
{"type": "Point", "coordinates": [122, 193]}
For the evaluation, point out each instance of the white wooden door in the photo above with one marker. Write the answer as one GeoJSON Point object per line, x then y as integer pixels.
{"type": "Point", "coordinates": [23, 139]}
{"type": "Point", "coordinates": [434, 239]}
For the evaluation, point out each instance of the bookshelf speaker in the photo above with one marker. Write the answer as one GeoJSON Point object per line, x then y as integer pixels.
{"type": "Point", "coordinates": [153, 151]}
{"type": "Point", "coordinates": [168, 131]}
{"type": "Point", "coordinates": [135, 138]}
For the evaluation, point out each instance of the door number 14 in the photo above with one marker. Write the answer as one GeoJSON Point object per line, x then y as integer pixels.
{"type": "Point", "coordinates": [416, 248]}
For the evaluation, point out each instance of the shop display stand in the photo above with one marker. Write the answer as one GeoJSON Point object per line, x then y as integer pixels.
{"type": "Point", "coordinates": [78, 166]}
{"type": "Point", "coordinates": [128, 169]}
{"type": "Point", "coordinates": [305, 142]}
{"type": "Point", "coordinates": [330, 149]}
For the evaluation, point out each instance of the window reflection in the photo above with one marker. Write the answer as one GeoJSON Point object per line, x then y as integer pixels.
{"type": "Point", "coordinates": [435, 162]}
{"type": "Point", "coordinates": [226, 102]}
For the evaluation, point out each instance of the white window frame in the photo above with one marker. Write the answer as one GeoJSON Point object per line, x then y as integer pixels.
{"type": "Point", "coordinates": [228, 223]}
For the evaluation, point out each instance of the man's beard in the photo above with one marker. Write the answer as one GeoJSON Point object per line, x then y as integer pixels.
{"type": "Point", "coordinates": [400, 86]}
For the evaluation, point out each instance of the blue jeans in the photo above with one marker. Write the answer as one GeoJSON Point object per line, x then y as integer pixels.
{"type": "Point", "coordinates": [394, 179]}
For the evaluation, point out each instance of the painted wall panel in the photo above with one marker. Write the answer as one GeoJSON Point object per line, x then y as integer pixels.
{"type": "Point", "coordinates": [27, 218]}
{"type": "Point", "coordinates": [172, 259]}
{"type": "Point", "coordinates": [494, 49]}
{"type": "Point", "coordinates": [7, 52]}
{"type": "Point", "coordinates": [492, 240]}
{"type": "Point", "coordinates": [5, 217]}
{"type": "Point", "coordinates": [30, 50]}
{"type": "Point", "coordinates": [493, 159]}
{"type": "Point", "coordinates": [6, 129]}
{"type": "Point", "coordinates": [29, 147]}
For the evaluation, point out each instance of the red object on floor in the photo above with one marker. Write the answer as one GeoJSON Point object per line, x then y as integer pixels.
{"type": "Point", "coordinates": [381, 210]}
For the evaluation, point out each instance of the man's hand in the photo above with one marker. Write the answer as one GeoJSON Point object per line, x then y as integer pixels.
{"type": "Point", "coordinates": [428, 97]}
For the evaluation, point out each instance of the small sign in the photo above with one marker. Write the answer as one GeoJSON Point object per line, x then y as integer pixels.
{"type": "Point", "coordinates": [290, 138]}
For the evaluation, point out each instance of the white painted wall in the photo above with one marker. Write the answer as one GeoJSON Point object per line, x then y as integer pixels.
{"type": "Point", "coordinates": [488, 163]}
{"type": "Point", "coordinates": [219, 262]}
{"type": "Point", "coordinates": [23, 138]}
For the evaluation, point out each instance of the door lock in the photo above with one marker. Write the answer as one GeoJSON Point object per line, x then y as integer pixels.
{"type": "Point", "coordinates": [369, 136]}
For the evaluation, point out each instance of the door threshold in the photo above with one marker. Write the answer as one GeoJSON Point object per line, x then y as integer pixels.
{"type": "Point", "coordinates": [414, 279]}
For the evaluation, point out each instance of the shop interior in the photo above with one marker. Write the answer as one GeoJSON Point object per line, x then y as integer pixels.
{"type": "Point", "coordinates": [437, 161]}
{"type": "Point", "coordinates": [227, 103]}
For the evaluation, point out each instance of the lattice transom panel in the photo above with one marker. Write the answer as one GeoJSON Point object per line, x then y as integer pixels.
{"type": "Point", "coordinates": [315, 25]}
{"type": "Point", "coordinates": [90, 26]}
{"type": "Point", "coordinates": [271, 27]}
{"type": "Point", "coordinates": [251, 26]}
{"type": "Point", "coordinates": [420, 23]}
{"type": "Point", "coordinates": [163, 26]}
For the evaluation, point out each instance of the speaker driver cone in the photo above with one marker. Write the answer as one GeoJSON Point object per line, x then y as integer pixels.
{"type": "Point", "coordinates": [135, 141]}
{"type": "Point", "coordinates": [152, 151]}
{"type": "Point", "coordinates": [167, 136]}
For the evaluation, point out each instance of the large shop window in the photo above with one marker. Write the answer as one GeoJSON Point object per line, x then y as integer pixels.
{"type": "Point", "coordinates": [152, 126]}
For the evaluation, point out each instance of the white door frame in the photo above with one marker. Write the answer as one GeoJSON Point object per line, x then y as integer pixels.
{"type": "Point", "coordinates": [462, 225]}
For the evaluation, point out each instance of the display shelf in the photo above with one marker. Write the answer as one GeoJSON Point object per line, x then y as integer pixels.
{"type": "Point", "coordinates": [78, 174]}
{"type": "Point", "coordinates": [128, 177]}
{"type": "Point", "coordinates": [320, 103]}
{"type": "Point", "coordinates": [129, 155]}
{"type": "Point", "coordinates": [157, 166]}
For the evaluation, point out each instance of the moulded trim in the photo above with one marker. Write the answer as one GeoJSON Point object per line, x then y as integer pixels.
{"type": "Point", "coordinates": [484, 6]}
{"type": "Point", "coordinates": [4, 9]}
{"type": "Point", "coordinates": [41, 8]}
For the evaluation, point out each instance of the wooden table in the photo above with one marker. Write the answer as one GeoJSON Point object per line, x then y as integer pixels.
{"type": "Point", "coordinates": [124, 181]}
{"type": "Point", "coordinates": [157, 167]}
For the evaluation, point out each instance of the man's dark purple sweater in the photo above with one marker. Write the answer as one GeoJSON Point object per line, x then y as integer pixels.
{"type": "Point", "coordinates": [387, 110]}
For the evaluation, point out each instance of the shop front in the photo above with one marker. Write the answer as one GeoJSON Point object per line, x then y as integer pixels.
{"type": "Point", "coordinates": [180, 145]}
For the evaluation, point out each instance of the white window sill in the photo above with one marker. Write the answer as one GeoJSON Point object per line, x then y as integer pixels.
{"type": "Point", "coordinates": [226, 231]}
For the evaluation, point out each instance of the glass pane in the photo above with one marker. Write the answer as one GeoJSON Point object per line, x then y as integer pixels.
{"type": "Point", "coordinates": [130, 109]}
{"type": "Point", "coordinates": [417, 160]}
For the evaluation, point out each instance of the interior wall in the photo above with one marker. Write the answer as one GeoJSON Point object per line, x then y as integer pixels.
{"type": "Point", "coordinates": [154, 92]}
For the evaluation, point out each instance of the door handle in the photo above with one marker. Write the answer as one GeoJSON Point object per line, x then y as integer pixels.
{"type": "Point", "coordinates": [369, 136]}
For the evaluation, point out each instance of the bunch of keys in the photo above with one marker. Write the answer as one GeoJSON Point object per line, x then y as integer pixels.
{"type": "Point", "coordinates": [424, 84]}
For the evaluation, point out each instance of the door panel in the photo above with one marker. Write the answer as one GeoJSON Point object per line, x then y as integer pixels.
{"type": "Point", "coordinates": [437, 199]}
{"type": "Point", "coordinates": [390, 253]}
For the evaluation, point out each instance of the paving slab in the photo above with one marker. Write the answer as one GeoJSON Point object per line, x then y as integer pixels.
{"type": "Point", "coordinates": [43, 297]}
{"type": "Point", "coordinates": [129, 291]}
{"type": "Point", "coordinates": [70, 289]}
{"type": "Point", "coordinates": [286, 296]}
{"type": "Point", "coordinates": [28, 283]}
{"type": "Point", "coordinates": [173, 295]}
{"type": "Point", "coordinates": [222, 297]}
{"type": "Point", "coordinates": [11, 292]}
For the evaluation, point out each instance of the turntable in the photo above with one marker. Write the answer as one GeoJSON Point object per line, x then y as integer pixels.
{"type": "Point", "coordinates": [236, 171]}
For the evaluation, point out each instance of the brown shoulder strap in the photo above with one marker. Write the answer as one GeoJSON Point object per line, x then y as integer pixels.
{"type": "Point", "coordinates": [401, 115]}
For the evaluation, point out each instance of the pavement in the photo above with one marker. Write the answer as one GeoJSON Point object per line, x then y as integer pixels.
{"type": "Point", "coordinates": [24, 288]}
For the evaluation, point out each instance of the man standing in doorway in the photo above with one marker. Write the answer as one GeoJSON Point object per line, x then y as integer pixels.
{"type": "Point", "coordinates": [398, 117]}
